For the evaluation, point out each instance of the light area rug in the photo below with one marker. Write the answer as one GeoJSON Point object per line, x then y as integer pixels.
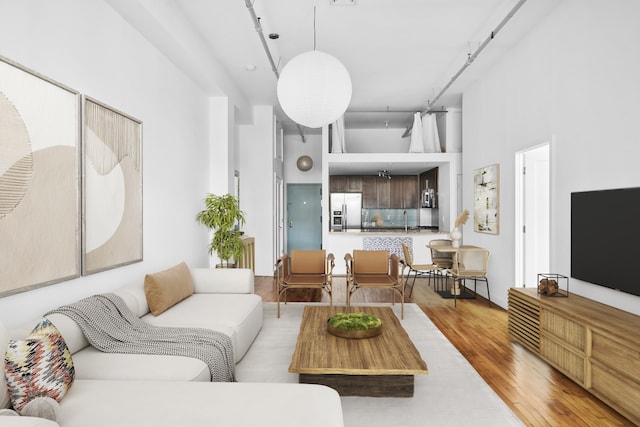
{"type": "Point", "coordinates": [452, 394]}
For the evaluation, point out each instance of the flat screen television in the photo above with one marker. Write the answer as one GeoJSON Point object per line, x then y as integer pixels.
{"type": "Point", "coordinates": [605, 238]}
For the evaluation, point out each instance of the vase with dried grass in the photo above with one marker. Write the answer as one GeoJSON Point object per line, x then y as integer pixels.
{"type": "Point", "coordinates": [456, 234]}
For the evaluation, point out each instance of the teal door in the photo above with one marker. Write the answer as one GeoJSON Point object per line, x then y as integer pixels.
{"type": "Point", "coordinates": [304, 216]}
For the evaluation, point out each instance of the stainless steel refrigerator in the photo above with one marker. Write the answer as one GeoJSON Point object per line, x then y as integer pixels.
{"type": "Point", "coordinates": [346, 211]}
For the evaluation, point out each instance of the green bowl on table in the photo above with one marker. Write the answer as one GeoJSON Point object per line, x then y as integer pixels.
{"type": "Point", "coordinates": [354, 325]}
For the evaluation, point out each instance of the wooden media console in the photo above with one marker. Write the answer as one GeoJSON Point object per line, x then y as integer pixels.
{"type": "Point", "coordinates": [596, 345]}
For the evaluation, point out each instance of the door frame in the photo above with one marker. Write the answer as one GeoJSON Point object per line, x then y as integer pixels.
{"type": "Point", "coordinates": [523, 261]}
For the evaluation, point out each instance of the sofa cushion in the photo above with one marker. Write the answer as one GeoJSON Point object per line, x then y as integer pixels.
{"type": "Point", "coordinates": [70, 331]}
{"type": "Point", "coordinates": [135, 298]}
{"type": "Point", "coordinates": [27, 422]}
{"type": "Point", "coordinates": [93, 364]}
{"type": "Point", "coordinates": [168, 287]}
{"type": "Point", "coordinates": [41, 407]}
{"type": "Point", "coordinates": [238, 316]}
{"type": "Point", "coordinates": [166, 403]}
{"type": "Point", "coordinates": [38, 366]}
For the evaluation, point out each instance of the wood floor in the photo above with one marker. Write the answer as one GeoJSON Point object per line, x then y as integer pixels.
{"type": "Point", "coordinates": [538, 394]}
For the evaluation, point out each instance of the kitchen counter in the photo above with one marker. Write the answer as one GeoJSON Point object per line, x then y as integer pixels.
{"type": "Point", "coordinates": [342, 242]}
{"type": "Point", "coordinates": [385, 231]}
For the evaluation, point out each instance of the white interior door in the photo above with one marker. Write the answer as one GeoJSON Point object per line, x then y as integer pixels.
{"type": "Point", "coordinates": [532, 211]}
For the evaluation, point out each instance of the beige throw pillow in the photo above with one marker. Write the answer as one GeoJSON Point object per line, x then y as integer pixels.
{"type": "Point", "coordinates": [167, 288]}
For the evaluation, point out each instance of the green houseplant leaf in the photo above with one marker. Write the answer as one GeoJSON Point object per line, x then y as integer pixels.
{"type": "Point", "coordinates": [220, 215]}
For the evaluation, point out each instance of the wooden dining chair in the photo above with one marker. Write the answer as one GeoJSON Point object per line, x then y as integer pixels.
{"type": "Point", "coordinates": [304, 269]}
{"type": "Point", "coordinates": [375, 269]}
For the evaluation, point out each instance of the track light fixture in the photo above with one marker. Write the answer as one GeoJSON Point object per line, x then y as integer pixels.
{"type": "Point", "coordinates": [384, 174]}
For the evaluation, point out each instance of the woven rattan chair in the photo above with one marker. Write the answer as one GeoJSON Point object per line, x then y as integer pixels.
{"type": "Point", "coordinates": [470, 264]}
{"type": "Point", "coordinates": [375, 269]}
{"type": "Point", "coordinates": [443, 260]}
{"type": "Point", "coordinates": [304, 269]}
{"type": "Point", "coordinates": [428, 270]}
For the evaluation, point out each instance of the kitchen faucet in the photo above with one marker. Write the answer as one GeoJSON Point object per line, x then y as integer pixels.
{"type": "Point", "coordinates": [404, 213]}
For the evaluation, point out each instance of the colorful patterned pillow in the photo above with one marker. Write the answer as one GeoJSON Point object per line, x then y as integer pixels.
{"type": "Point", "coordinates": [38, 366]}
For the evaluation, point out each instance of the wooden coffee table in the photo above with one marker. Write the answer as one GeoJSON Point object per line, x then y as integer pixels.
{"type": "Point", "coordinates": [384, 365]}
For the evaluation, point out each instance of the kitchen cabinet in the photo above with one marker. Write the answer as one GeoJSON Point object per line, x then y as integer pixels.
{"type": "Point", "coordinates": [337, 183]}
{"type": "Point", "coordinates": [428, 180]}
{"type": "Point", "coordinates": [345, 184]}
{"type": "Point", "coordinates": [405, 192]}
{"type": "Point", "coordinates": [399, 192]}
{"type": "Point", "coordinates": [369, 191]}
{"type": "Point", "coordinates": [383, 193]}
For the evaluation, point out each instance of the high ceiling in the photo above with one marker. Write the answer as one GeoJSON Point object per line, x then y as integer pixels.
{"type": "Point", "coordinates": [399, 53]}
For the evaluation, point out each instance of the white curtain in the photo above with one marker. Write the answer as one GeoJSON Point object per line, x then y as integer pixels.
{"type": "Point", "coordinates": [416, 145]}
{"type": "Point", "coordinates": [430, 134]}
{"type": "Point", "coordinates": [337, 136]}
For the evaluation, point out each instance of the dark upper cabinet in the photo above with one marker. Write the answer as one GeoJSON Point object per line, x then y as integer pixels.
{"type": "Point", "coordinates": [411, 191]}
{"type": "Point", "coordinates": [405, 192]}
{"type": "Point", "coordinates": [369, 191]}
{"type": "Point", "coordinates": [345, 184]}
{"type": "Point", "coordinates": [383, 191]}
{"type": "Point", "coordinates": [354, 184]}
{"type": "Point", "coordinates": [401, 191]}
{"type": "Point", "coordinates": [337, 183]}
{"type": "Point", "coordinates": [428, 180]}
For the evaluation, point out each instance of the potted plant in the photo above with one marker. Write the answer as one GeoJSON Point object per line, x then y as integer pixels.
{"type": "Point", "coordinates": [221, 215]}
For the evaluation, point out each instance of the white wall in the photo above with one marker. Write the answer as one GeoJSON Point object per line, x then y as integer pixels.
{"type": "Point", "coordinates": [388, 140]}
{"type": "Point", "coordinates": [257, 151]}
{"type": "Point", "coordinates": [573, 80]}
{"type": "Point", "coordinates": [87, 46]}
{"type": "Point", "coordinates": [294, 148]}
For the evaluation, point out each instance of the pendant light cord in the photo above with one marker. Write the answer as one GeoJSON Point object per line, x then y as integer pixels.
{"type": "Point", "coordinates": [314, 27]}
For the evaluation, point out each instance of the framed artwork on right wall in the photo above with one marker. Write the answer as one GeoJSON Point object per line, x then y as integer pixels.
{"type": "Point", "coordinates": [486, 201]}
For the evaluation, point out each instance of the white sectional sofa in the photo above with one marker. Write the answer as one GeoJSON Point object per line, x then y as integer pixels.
{"type": "Point", "coordinates": [152, 390]}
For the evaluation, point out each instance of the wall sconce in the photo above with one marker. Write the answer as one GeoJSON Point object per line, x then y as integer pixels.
{"type": "Point", "coordinates": [304, 163]}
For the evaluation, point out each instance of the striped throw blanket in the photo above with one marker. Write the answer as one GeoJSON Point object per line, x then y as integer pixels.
{"type": "Point", "coordinates": [111, 327]}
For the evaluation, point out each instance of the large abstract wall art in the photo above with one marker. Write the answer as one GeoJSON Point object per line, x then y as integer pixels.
{"type": "Point", "coordinates": [486, 212]}
{"type": "Point", "coordinates": [39, 180]}
{"type": "Point", "coordinates": [112, 188]}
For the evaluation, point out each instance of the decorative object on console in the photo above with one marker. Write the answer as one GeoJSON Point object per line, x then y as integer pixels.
{"type": "Point", "coordinates": [220, 215]}
{"type": "Point", "coordinates": [486, 213]}
{"type": "Point", "coordinates": [112, 188]}
{"type": "Point", "coordinates": [553, 285]}
{"type": "Point", "coordinates": [456, 234]}
{"type": "Point", "coordinates": [304, 163]}
{"type": "Point", "coordinates": [39, 180]}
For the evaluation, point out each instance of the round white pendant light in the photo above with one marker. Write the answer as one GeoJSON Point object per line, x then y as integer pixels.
{"type": "Point", "coordinates": [314, 89]}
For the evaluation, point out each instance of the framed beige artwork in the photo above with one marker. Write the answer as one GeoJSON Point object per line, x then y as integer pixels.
{"type": "Point", "coordinates": [111, 188]}
{"type": "Point", "coordinates": [486, 209]}
{"type": "Point", "coordinates": [39, 180]}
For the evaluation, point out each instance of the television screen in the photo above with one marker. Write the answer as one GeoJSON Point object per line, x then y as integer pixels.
{"type": "Point", "coordinates": [605, 238]}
